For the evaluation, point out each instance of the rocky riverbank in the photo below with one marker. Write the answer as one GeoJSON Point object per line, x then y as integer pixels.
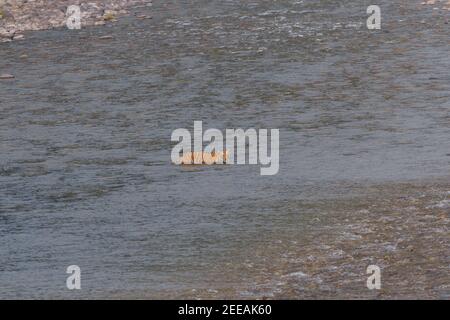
{"type": "Point", "coordinates": [17, 16]}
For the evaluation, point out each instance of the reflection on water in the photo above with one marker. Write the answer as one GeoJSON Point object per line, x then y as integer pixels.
{"type": "Point", "coordinates": [85, 149]}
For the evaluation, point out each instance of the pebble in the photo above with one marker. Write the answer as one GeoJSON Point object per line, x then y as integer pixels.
{"type": "Point", "coordinates": [5, 76]}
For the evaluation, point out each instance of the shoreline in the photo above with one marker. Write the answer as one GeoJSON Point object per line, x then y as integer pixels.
{"type": "Point", "coordinates": [18, 16]}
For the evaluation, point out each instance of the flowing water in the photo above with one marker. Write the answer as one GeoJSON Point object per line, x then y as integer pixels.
{"type": "Point", "coordinates": [86, 177]}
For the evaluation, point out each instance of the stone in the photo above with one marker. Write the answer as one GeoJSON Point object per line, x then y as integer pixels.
{"type": "Point", "coordinates": [109, 15]}
{"type": "Point", "coordinates": [7, 32]}
{"type": "Point", "coordinates": [5, 76]}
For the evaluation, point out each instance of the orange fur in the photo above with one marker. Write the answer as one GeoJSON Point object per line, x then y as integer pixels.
{"type": "Point", "coordinates": [204, 157]}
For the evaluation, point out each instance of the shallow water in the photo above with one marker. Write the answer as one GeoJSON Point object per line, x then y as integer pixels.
{"type": "Point", "coordinates": [85, 146]}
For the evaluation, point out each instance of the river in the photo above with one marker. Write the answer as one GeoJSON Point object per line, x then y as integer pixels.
{"type": "Point", "coordinates": [86, 177]}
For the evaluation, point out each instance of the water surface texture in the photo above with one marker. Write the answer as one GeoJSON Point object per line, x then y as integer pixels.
{"type": "Point", "coordinates": [86, 177]}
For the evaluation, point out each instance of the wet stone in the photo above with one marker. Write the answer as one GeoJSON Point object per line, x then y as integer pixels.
{"type": "Point", "coordinates": [5, 76]}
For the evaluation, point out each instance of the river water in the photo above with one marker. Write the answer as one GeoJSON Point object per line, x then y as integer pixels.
{"type": "Point", "coordinates": [86, 177]}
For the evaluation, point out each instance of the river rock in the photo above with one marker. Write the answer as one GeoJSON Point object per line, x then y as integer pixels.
{"type": "Point", "coordinates": [7, 32]}
{"type": "Point", "coordinates": [18, 36]}
{"type": "Point", "coordinates": [5, 76]}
